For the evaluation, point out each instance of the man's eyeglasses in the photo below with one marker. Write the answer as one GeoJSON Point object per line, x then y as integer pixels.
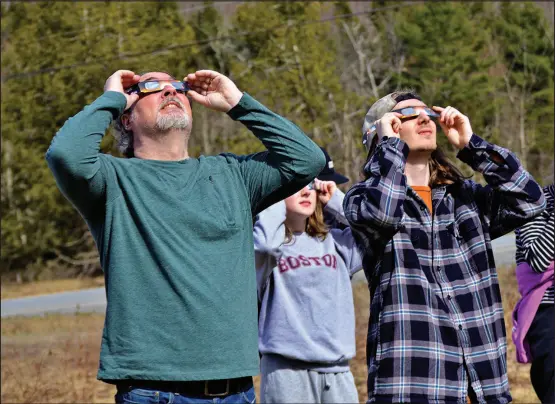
{"type": "Point", "coordinates": [151, 86]}
{"type": "Point", "coordinates": [413, 112]}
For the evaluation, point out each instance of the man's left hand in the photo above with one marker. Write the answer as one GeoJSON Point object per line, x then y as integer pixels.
{"type": "Point", "coordinates": [324, 189]}
{"type": "Point", "coordinates": [455, 125]}
{"type": "Point", "coordinates": [213, 90]}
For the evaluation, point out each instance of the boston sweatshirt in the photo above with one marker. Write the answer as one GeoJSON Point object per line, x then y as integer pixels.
{"type": "Point", "coordinates": [307, 312]}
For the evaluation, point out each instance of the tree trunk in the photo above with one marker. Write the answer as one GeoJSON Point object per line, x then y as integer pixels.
{"type": "Point", "coordinates": [522, 134]}
{"type": "Point", "coordinates": [7, 147]}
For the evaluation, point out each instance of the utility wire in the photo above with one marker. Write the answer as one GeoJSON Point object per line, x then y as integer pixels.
{"type": "Point", "coordinates": [198, 42]}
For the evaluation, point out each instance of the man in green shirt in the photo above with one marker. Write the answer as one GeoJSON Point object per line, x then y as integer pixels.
{"type": "Point", "coordinates": [174, 233]}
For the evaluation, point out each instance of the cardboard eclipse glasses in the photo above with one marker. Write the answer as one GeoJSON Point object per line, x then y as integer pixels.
{"type": "Point", "coordinates": [152, 86]}
{"type": "Point", "coordinates": [407, 114]}
{"type": "Point", "coordinates": [412, 112]}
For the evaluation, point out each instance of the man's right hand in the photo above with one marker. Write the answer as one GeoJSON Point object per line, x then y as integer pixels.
{"type": "Point", "coordinates": [389, 125]}
{"type": "Point", "coordinates": [119, 81]}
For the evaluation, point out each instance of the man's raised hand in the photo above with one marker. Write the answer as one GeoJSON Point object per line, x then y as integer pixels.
{"type": "Point", "coordinates": [213, 90]}
{"type": "Point", "coordinates": [389, 125]}
{"type": "Point", "coordinates": [121, 80]}
{"type": "Point", "coordinates": [455, 125]}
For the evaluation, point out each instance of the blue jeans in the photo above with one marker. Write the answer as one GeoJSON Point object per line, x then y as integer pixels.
{"type": "Point", "coordinates": [147, 396]}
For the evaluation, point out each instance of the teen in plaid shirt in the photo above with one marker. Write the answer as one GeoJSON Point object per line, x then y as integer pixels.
{"type": "Point", "coordinates": [436, 332]}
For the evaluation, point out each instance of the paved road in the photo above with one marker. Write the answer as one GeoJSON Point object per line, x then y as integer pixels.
{"type": "Point", "coordinates": [87, 300]}
{"type": "Point", "coordinates": [94, 300]}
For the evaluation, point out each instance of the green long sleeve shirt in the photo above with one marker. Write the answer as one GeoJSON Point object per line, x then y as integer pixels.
{"type": "Point", "coordinates": [175, 241]}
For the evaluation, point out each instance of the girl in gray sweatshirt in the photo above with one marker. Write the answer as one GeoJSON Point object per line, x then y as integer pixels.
{"type": "Point", "coordinates": [307, 319]}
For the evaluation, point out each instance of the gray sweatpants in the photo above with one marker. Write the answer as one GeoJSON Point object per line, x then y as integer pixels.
{"type": "Point", "coordinates": [282, 382]}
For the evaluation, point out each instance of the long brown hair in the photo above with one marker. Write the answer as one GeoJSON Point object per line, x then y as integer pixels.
{"type": "Point", "coordinates": [315, 225]}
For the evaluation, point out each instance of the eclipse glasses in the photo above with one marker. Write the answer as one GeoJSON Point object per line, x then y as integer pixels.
{"type": "Point", "coordinates": [407, 113]}
{"type": "Point", "coordinates": [412, 112]}
{"type": "Point", "coordinates": [152, 86]}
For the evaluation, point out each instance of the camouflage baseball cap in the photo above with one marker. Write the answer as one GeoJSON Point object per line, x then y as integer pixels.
{"type": "Point", "coordinates": [379, 109]}
{"type": "Point", "coordinates": [376, 111]}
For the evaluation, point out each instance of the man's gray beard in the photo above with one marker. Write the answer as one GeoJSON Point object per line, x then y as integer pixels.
{"type": "Point", "coordinates": [167, 122]}
{"type": "Point", "coordinates": [164, 123]}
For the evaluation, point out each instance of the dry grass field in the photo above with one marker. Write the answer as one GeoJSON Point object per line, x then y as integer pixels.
{"type": "Point", "coordinates": [54, 359]}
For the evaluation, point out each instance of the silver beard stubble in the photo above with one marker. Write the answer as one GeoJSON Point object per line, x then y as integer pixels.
{"type": "Point", "coordinates": [166, 122]}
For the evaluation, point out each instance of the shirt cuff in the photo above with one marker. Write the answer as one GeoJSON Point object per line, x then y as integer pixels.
{"type": "Point", "coordinates": [243, 107]}
{"type": "Point", "coordinates": [113, 98]}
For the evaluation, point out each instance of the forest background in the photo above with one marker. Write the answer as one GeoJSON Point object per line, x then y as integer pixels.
{"type": "Point", "coordinates": [319, 64]}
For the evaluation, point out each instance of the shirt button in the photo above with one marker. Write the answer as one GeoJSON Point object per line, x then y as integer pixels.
{"type": "Point", "coordinates": [460, 327]}
{"type": "Point", "coordinates": [438, 268]}
{"type": "Point", "coordinates": [422, 208]}
{"type": "Point", "coordinates": [449, 298]}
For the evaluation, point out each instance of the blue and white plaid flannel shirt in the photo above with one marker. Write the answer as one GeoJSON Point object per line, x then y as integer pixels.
{"type": "Point", "coordinates": [436, 319]}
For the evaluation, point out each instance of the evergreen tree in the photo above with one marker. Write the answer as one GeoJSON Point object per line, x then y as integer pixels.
{"type": "Point", "coordinates": [289, 62]}
{"type": "Point", "coordinates": [492, 61]}
{"type": "Point", "coordinates": [524, 40]}
{"type": "Point", "coordinates": [92, 40]}
{"type": "Point", "coordinates": [213, 130]}
{"type": "Point", "coordinates": [447, 60]}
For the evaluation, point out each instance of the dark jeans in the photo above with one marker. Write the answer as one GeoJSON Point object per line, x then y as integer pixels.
{"type": "Point", "coordinates": [541, 337]}
{"type": "Point", "coordinates": [150, 396]}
